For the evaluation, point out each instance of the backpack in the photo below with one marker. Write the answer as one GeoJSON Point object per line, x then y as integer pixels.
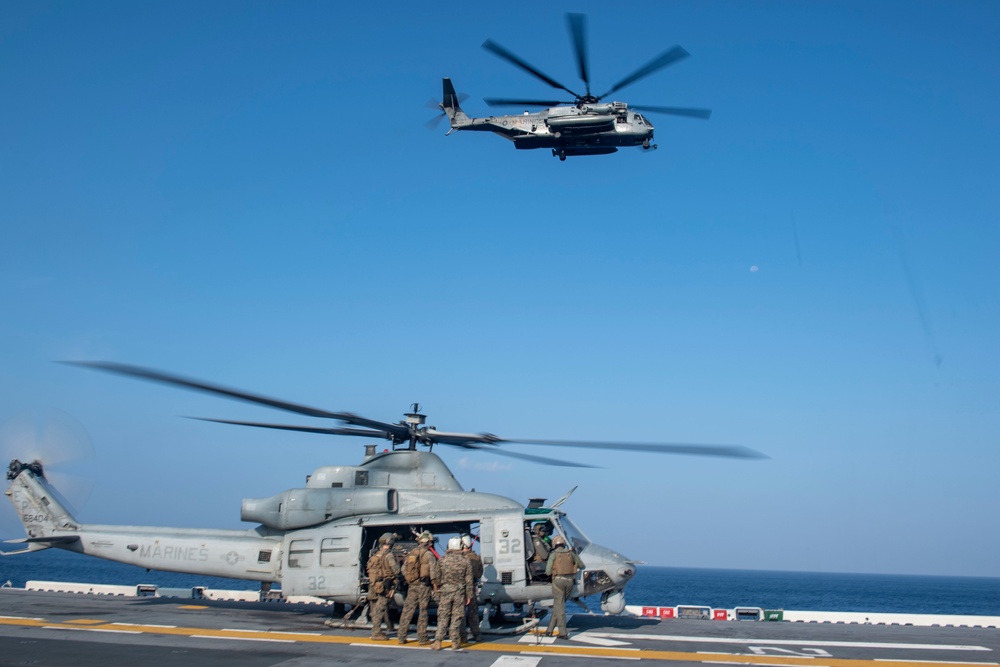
{"type": "Point", "coordinates": [374, 566]}
{"type": "Point", "coordinates": [411, 566]}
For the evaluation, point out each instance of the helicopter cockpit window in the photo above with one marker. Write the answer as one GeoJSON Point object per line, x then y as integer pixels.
{"type": "Point", "coordinates": [572, 534]}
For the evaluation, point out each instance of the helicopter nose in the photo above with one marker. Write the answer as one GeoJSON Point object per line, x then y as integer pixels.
{"type": "Point", "coordinates": [616, 569]}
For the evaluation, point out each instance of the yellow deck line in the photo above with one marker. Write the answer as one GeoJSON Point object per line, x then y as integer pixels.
{"type": "Point", "coordinates": [564, 650]}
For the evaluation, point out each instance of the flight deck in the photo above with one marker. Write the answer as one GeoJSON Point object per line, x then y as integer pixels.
{"type": "Point", "coordinates": [57, 628]}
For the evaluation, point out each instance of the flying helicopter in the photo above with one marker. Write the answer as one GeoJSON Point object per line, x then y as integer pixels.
{"type": "Point", "coordinates": [583, 126]}
{"type": "Point", "coordinates": [315, 540]}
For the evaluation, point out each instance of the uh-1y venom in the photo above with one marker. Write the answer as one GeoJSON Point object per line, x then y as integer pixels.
{"type": "Point", "coordinates": [583, 126]}
{"type": "Point", "coordinates": [315, 541]}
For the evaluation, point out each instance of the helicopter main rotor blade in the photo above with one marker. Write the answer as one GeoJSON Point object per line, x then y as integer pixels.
{"type": "Point", "coordinates": [659, 62]}
{"type": "Point", "coordinates": [725, 451]}
{"type": "Point", "coordinates": [524, 457]}
{"type": "Point", "coordinates": [676, 111]}
{"type": "Point", "coordinates": [498, 50]}
{"type": "Point", "coordinates": [397, 430]}
{"type": "Point", "coordinates": [577, 31]}
{"type": "Point", "coordinates": [512, 102]}
{"type": "Point", "coordinates": [304, 429]}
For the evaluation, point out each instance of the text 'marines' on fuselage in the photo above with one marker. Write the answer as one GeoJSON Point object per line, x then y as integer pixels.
{"type": "Point", "coordinates": [315, 540]}
{"type": "Point", "coordinates": [582, 126]}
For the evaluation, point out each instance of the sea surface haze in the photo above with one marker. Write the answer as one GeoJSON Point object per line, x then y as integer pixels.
{"type": "Point", "coordinates": [659, 586]}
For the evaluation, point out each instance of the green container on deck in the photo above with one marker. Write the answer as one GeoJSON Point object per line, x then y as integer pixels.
{"type": "Point", "coordinates": [774, 614]}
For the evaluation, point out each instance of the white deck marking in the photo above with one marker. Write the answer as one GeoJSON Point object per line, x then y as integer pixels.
{"type": "Point", "coordinates": [536, 639]}
{"type": "Point", "coordinates": [588, 638]}
{"type": "Point", "coordinates": [788, 642]}
{"type": "Point", "coordinates": [516, 661]}
{"type": "Point", "coordinates": [598, 657]}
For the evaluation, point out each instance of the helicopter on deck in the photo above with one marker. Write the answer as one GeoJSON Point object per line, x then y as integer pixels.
{"type": "Point", "coordinates": [315, 540]}
{"type": "Point", "coordinates": [582, 126]}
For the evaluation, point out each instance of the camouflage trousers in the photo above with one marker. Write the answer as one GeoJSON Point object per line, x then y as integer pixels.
{"type": "Point", "coordinates": [561, 587]}
{"type": "Point", "coordinates": [418, 596]}
{"type": "Point", "coordinates": [451, 613]}
{"type": "Point", "coordinates": [471, 624]}
{"type": "Point", "coordinates": [379, 612]}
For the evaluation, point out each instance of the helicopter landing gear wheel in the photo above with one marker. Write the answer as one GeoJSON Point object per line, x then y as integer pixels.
{"type": "Point", "coordinates": [645, 145]}
{"type": "Point", "coordinates": [560, 154]}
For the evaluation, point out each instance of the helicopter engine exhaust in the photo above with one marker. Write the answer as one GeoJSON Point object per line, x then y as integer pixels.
{"type": "Point", "coordinates": [301, 508]}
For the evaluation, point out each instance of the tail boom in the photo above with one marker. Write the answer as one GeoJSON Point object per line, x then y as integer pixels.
{"type": "Point", "coordinates": [451, 106]}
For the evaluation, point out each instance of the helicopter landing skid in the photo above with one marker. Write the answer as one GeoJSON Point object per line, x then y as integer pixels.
{"type": "Point", "coordinates": [349, 623]}
{"type": "Point", "coordinates": [526, 625]}
{"type": "Point", "coordinates": [505, 624]}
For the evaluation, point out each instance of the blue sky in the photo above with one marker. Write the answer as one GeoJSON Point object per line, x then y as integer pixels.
{"type": "Point", "coordinates": [246, 193]}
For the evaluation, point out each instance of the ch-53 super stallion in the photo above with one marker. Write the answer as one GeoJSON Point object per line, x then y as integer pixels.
{"type": "Point", "coordinates": [315, 541]}
{"type": "Point", "coordinates": [582, 126]}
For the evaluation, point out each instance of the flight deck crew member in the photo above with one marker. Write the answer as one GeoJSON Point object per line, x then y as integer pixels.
{"type": "Point", "coordinates": [562, 567]}
{"type": "Point", "coordinates": [420, 569]}
{"type": "Point", "coordinates": [455, 592]}
{"type": "Point", "coordinates": [472, 609]}
{"type": "Point", "coordinates": [383, 570]}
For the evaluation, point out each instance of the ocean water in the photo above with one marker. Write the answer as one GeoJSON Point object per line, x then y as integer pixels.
{"type": "Point", "coordinates": [661, 586]}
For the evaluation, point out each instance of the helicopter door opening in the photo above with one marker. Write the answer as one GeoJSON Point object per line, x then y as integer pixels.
{"type": "Point", "coordinates": [537, 542]}
{"type": "Point", "coordinates": [406, 540]}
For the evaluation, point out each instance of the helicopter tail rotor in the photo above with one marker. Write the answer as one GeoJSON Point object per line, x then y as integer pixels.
{"type": "Point", "coordinates": [54, 442]}
{"type": "Point", "coordinates": [53, 448]}
{"type": "Point", "coordinates": [433, 123]}
{"type": "Point", "coordinates": [451, 106]}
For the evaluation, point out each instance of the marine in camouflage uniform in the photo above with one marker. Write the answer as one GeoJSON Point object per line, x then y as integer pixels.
{"type": "Point", "coordinates": [472, 609]}
{"type": "Point", "coordinates": [562, 566]}
{"type": "Point", "coordinates": [383, 570]}
{"type": "Point", "coordinates": [455, 592]}
{"type": "Point", "coordinates": [418, 596]}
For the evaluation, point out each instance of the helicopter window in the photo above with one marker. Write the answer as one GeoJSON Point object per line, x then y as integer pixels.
{"type": "Point", "coordinates": [360, 478]}
{"type": "Point", "coordinates": [571, 532]}
{"type": "Point", "coordinates": [328, 549]}
{"type": "Point", "coordinates": [300, 553]}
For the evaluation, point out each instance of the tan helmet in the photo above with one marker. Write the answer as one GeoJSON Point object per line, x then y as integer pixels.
{"type": "Point", "coordinates": [425, 537]}
{"type": "Point", "coordinates": [387, 538]}
{"type": "Point", "coordinates": [467, 541]}
{"type": "Point", "coordinates": [541, 528]}
{"type": "Point", "coordinates": [558, 541]}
